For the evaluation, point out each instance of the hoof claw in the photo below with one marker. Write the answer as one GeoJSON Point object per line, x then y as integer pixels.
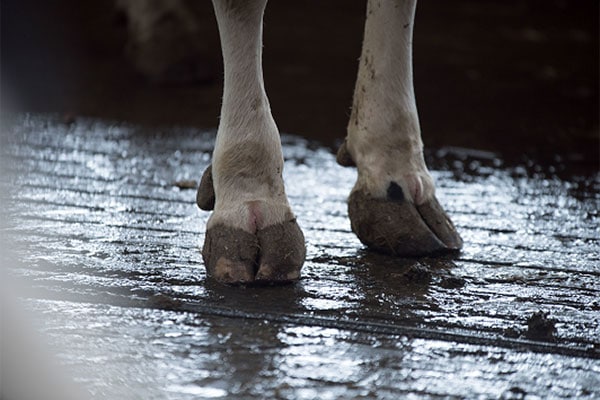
{"type": "Point", "coordinates": [274, 254]}
{"type": "Point", "coordinates": [400, 227]}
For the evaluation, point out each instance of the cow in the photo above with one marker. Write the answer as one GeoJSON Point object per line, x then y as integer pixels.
{"type": "Point", "coordinates": [252, 235]}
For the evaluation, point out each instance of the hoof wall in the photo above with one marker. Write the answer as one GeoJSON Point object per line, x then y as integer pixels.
{"type": "Point", "coordinates": [400, 227]}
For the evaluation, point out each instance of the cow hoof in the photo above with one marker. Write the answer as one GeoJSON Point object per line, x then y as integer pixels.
{"type": "Point", "coordinates": [397, 226]}
{"type": "Point", "coordinates": [272, 255]}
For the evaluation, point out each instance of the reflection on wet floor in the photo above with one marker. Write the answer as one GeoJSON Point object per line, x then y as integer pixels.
{"type": "Point", "coordinates": [108, 239]}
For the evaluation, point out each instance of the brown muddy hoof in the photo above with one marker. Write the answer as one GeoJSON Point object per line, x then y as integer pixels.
{"type": "Point", "coordinates": [274, 255]}
{"type": "Point", "coordinates": [398, 227]}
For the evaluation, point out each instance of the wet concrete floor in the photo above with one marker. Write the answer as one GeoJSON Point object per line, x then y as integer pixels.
{"type": "Point", "coordinates": [105, 238]}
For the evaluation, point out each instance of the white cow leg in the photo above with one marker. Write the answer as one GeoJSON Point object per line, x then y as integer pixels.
{"type": "Point", "coordinates": [392, 207]}
{"type": "Point", "coordinates": [252, 235]}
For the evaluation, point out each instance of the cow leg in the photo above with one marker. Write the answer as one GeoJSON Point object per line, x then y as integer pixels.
{"type": "Point", "coordinates": [252, 235]}
{"type": "Point", "coordinates": [392, 207]}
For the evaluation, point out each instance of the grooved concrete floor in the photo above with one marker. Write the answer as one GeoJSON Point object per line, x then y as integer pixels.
{"type": "Point", "coordinates": [106, 236]}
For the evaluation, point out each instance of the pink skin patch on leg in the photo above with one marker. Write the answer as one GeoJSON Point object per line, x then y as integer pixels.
{"type": "Point", "coordinates": [255, 216]}
{"type": "Point", "coordinates": [415, 187]}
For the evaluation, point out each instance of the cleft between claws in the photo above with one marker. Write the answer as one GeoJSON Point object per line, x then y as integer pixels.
{"type": "Point", "coordinates": [440, 224]}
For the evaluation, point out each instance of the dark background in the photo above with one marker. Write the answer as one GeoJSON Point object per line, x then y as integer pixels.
{"type": "Point", "coordinates": [514, 77]}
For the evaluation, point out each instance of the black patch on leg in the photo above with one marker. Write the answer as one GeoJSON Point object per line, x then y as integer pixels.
{"type": "Point", "coordinates": [395, 193]}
